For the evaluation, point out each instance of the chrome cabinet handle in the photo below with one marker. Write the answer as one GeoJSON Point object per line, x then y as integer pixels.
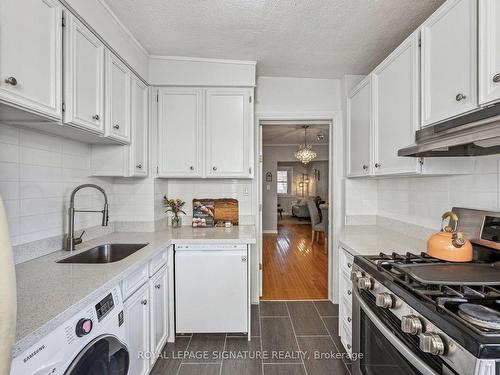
{"type": "Point", "coordinates": [116, 126]}
{"type": "Point", "coordinates": [460, 97]}
{"type": "Point", "coordinates": [11, 81]}
{"type": "Point", "coordinates": [365, 167]}
{"type": "Point", "coordinates": [191, 168]}
{"type": "Point", "coordinates": [496, 78]}
{"type": "Point", "coordinates": [157, 286]}
{"type": "Point", "coordinates": [96, 117]}
{"type": "Point", "coordinates": [214, 168]}
{"type": "Point", "coordinates": [144, 302]}
{"type": "Point", "coordinates": [378, 165]}
{"type": "Point", "coordinates": [139, 166]}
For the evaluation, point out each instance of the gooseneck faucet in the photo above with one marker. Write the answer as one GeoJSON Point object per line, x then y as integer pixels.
{"type": "Point", "coordinates": [71, 241]}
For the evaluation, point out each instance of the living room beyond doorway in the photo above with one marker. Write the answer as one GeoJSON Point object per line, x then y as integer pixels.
{"type": "Point", "coordinates": [295, 191]}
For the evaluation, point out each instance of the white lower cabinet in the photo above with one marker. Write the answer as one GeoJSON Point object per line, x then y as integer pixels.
{"type": "Point", "coordinates": [345, 299]}
{"type": "Point", "coordinates": [147, 312]}
{"type": "Point", "coordinates": [136, 315]}
{"type": "Point", "coordinates": [158, 292]}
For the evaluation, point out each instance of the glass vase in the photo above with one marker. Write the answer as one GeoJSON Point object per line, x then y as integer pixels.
{"type": "Point", "coordinates": [176, 222]}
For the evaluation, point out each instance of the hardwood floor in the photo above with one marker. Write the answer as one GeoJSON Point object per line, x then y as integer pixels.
{"type": "Point", "coordinates": [294, 267]}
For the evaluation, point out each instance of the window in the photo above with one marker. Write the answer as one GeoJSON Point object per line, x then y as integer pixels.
{"type": "Point", "coordinates": [283, 182]}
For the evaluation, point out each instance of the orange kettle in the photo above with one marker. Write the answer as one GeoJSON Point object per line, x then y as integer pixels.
{"type": "Point", "coordinates": [449, 244]}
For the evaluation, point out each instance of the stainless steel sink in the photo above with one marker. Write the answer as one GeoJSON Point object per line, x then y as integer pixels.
{"type": "Point", "coordinates": [107, 253]}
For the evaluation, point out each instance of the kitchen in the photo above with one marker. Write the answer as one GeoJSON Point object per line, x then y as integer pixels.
{"type": "Point", "coordinates": [131, 103]}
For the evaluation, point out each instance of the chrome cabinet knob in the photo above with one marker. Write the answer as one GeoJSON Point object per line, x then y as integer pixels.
{"type": "Point", "coordinates": [157, 286]}
{"type": "Point", "coordinates": [460, 97]}
{"type": "Point", "coordinates": [496, 78]}
{"type": "Point", "coordinates": [365, 167]}
{"type": "Point", "coordinates": [378, 165]}
{"type": "Point", "coordinates": [365, 283]}
{"type": "Point", "coordinates": [191, 168]}
{"type": "Point", "coordinates": [349, 292]}
{"type": "Point", "coordinates": [214, 168]}
{"type": "Point", "coordinates": [431, 343]}
{"type": "Point", "coordinates": [384, 300]}
{"type": "Point", "coordinates": [144, 302]}
{"type": "Point", "coordinates": [11, 81]}
{"type": "Point", "coordinates": [349, 319]}
{"type": "Point", "coordinates": [96, 117]}
{"type": "Point", "coordinates": [411, 324]}
{"type": "Point", "coordinates": [139, 166]}
{"type": "Point", "coordinates": [116, 126]}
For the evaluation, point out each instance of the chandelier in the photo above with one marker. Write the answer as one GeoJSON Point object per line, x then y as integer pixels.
{"type": "Point", "coordinates": [305, 154]}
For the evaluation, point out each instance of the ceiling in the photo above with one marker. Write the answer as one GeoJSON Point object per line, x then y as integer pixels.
{"type": "Point", "coordinates": [294, 38]}
{"type": "Point", "coordinates": [293, 134]}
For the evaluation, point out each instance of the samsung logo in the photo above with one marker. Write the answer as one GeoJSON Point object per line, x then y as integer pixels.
{"type": "Point", "coordinates": [32, 354]}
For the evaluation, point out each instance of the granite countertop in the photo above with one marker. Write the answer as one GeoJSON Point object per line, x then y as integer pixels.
{"type": "Point", "coordinates": [373, 239]}
{"type": "Point", "coordinates": [49, 293]}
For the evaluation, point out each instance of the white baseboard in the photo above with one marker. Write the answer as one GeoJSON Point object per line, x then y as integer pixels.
{"type": "Point", "coordinates": [269, 232]}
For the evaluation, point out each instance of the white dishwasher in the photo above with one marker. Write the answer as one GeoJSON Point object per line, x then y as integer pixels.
{"type": "Point", "coordinates": [211, 288]}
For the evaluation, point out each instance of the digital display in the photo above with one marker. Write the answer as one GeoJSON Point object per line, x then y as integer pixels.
{"type": "Point", "coordinates": [491, 229]}
{"type": "Point", "coordinates": [104, 306]}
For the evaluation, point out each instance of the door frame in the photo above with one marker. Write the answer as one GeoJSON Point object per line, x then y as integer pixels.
{"type": "Point", "coordinates": [335, 191]}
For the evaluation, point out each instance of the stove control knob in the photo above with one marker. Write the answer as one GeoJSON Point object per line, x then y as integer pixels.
{"type": "Point", "coordinates": [83, 327]}
{"type": "Point", "coordinates": [384, 300]}
{"type": "Point", "coordinates": [365, 283]}
{"type": "Point", "coordinates": [355, 275]}
{"type": "Point", "coordinates": [411, 324]}
{"type": "Point", "coordinates": [431, 343]}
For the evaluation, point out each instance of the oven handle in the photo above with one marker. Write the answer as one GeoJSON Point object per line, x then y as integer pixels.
{"type": "Point", "coordinates": [402, 348]}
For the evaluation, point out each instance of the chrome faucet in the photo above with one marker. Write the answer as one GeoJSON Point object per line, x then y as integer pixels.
{"type": "Point", "coordinates": [71, 241]}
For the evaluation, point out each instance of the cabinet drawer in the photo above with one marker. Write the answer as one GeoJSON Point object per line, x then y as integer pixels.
{"type": "Point", "coordinates": [346, 260]}
{"type": "Point", "coordinates": [346, 337]}
{"type": "Point", "coordinates": [134, 281]}
{"type": "Point", "coordinates": [158, 262]}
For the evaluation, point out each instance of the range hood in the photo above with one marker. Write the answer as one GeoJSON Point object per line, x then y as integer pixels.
{"type": "Point", "coordinates": [474, 134]}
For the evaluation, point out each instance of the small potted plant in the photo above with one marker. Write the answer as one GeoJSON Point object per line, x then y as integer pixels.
{"type": "Point", "coordinates": [174, 206]}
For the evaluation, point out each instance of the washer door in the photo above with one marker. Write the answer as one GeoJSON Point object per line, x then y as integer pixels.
{"type": "Point", "coordinates": [105, 355]}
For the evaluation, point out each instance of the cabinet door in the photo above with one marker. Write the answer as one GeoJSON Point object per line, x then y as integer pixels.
{"type": "Point", "coordinates": [30, 55]}
{"type": "Point", "coordinates": [229, 135]}
{"type": "Point", "coordinates": [489, 51]}
{"type": "Point", "coordinates": [139, 128]}
{"type": "Point", "coordinates": [180, 133]}
{"type": "Point", "coordinates": [136, 315]}
{"type": "Point", "coordinates": [359, 128]}
{"type": "Point", "coordinates": [84, 77]}
{"type": "Point", "coordinates": [117, 94]}
{"type": "Point", "coordinates": [159, 310]}
{"type": "Point", "coordinates": [396, 108]}
{"type": "Point", "coordinates": [449, 61]}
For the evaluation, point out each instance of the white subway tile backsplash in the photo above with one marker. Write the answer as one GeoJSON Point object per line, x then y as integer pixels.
{"type": "Point", "coordinates": [41, 141]}
{"type": "Point", "coordinates": [35, 156]}
{"type": "Point", "coordinates": [9, 171]}
{"type": "Point", "coordinates": [9, 152]}
{"type": "Point", "coordinates": [9, 134]}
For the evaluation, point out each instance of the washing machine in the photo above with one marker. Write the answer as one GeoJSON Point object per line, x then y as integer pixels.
{"type": "Point", "coordinates": [91, 342]}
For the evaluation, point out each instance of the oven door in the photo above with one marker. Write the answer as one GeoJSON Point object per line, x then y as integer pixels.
{"type": "Point", "coordinates": [381, 346]}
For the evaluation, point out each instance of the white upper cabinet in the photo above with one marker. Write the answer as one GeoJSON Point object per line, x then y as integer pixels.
{"type": "Point", "coordinates": [449, 61]}
{"type": "Point", "coordinates": [395, 85]}
{"type": "Point", "coordinates": [139, 116]}
{"type": "Point", "coordinates": [489, 51]}
{"type": "Point", "coordinates": [359, 118]}
{"type": "Point", "coordinates": [117, 94]}
{"type": "Point", "coordinates": [31, 54]}
{"type": "Point", "coordinates": [229, 136]}
{"type": "Point", "coordinates": [83, 78]}
{"type": "Point", "coordinates": [180, 137]}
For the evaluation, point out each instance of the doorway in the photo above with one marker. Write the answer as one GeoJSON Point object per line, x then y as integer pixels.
{"type": "Point", "coordinates": [295, 184]}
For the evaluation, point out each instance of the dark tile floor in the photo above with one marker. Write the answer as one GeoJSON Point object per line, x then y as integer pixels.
{"type": "Point", "coordinates": [288, 338]}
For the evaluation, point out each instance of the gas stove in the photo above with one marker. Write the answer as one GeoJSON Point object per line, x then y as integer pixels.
{"type": "Point", "coordinates": [441, 317]}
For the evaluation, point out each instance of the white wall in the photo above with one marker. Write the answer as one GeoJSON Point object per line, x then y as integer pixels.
{"type": "Point", "coordinates": [422, 200]}
{"type": "Point", "coordinates": [37, 174]}
{"type": "Point", "coordinates": [276, 95]}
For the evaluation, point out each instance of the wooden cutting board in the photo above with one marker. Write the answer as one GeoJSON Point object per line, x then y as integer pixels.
{"type": "Point", "coordinates": [226, 210]}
